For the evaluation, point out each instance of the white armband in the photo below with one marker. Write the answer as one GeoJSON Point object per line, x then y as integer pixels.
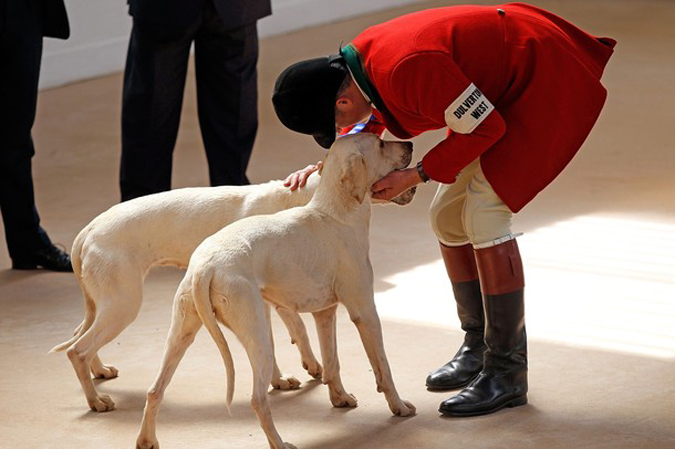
{"type": "Point", "coordinates": [468, 110]}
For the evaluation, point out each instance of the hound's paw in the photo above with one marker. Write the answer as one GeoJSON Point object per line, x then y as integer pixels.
{"type": "Point", "coordinates": [313, 368]}
{"type": "Point", "coordinates": [105, 372]}
{"type": "Point", "coordinates": [404, 408]}
{"type": "Point", "coordinates": [286, 383]}
{"type": "Point", "coordinates": [342, 399]}
{"type": "Point", "coordinates": [102, 403]}
{"type": "Point", "coordinates": [147, 443]}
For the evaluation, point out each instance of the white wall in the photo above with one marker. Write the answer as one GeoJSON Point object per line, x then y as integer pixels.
{"type": "Point", "coordinates": [289, 15]}
{"type": "Point", "coordinates": [100, 32]}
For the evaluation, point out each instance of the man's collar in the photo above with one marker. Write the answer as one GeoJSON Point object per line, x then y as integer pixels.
{"type": "Point", "coordinates": [357, 70]}
{"type": "Point", "coordinates": [358, 86]}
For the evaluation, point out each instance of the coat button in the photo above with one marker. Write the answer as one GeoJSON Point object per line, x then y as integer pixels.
{"type": "Point", "coordinates": [501, 12]}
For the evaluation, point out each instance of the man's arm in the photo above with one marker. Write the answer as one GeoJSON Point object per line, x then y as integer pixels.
{"type": "Point", "coordinates": [432, 85]}
{"type": "Point", "coordinates": [395, 183]}
{"type": "Point", "coordinates": [299, 178]}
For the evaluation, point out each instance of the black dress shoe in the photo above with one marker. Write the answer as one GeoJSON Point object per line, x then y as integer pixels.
{"type": "Point", "coordinates": [489, 392]}
{"type": "Point", "coordinates": [49, 258]}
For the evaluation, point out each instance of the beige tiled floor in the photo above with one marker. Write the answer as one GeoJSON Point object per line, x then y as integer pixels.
{"type": "Point", "coordinates": [600, 267]}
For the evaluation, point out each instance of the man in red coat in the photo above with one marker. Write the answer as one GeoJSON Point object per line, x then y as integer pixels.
{"type": "Point", "coordinates": [519, 90]}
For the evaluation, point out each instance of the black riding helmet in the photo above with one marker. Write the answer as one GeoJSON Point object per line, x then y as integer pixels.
{"type": "Point", "coordinates": [304, 96]}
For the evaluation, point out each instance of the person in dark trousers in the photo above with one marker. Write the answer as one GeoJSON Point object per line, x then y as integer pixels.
{"type": "Point", "coordinates": [224, 33]}
{"type": "Point", "coordinates": [23, 24]}
{"type": "Point", "coordinates": [518, 89]}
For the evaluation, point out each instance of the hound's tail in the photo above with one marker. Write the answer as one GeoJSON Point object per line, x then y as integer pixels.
{"type": "Point", "coordinates": [89, 306]}
{"type": "Point", "coordinates": [201, 285]}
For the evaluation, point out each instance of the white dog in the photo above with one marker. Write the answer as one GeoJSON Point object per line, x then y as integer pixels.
{"type": "Point", "coordinates": [305, 259]}
{"type": "Point", "coordinates": [112, 255]}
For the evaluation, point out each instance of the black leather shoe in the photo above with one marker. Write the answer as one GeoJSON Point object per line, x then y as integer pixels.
{"type": "Point", "coordinates": [487, 394]}
{"type": "Point", "coordinates": [462, 369]}
{"type": "Point", "coordinates": [48, 258]}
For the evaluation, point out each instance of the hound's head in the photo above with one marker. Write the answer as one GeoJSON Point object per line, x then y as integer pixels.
{"type": "Point", "coordinates": [360, 160]}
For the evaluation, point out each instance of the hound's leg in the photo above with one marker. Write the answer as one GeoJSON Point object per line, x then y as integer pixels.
{"type": "Point", "coordinates": [184, 326]}
{"type": "Point", "coordinates": [114, 313]}
{"type": "Point", "coordinates": [279, 381]}
{"type": "Point", "coordinates": [325, 326]}
{"type": "Point", "coordinates": [101, 371]}
{"type": "Point", "coordinates": [360, 304]}
{"type": "Point", "coordinates": [298, 332]}
{"type": "Point", "coordinates": [120, 294]}
{"type": "Point", "coordinates": [251, 326]}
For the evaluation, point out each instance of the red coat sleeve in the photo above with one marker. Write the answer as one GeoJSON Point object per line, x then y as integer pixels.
{"type": "Point", "coordinates": [426, 85]}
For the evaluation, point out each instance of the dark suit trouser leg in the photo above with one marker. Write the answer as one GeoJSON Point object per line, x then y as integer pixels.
{"type": "Point", "coordinates": [225, 64]}
{"type": "Point", "coordinates": [20, 53]}
{"type": "Point", "coordinates": [154, 81]}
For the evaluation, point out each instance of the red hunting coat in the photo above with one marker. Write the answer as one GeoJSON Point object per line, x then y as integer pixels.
{"type": "Point", "coordinates": [515, 85]}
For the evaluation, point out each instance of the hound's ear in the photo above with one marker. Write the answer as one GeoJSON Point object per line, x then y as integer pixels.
{"type": "Point", "coordinates": [354, 176]}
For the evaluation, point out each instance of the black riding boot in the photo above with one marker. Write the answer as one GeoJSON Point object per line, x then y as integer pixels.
{"type": "Point", "coordinates": [503, 380]}
{"type": "Point", "coordinates": [460, 264]}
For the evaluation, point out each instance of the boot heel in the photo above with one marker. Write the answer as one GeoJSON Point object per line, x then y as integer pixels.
{"type": "Point", "coordinates": [517, 402]}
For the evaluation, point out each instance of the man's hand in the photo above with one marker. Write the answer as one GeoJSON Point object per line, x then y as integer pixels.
{"type": "Point", "coordinates": [299, 178]}
{"type": "Point", "coordinates": [395, 183]}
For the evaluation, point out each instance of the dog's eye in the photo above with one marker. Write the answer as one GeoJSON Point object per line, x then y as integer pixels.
{"type": "Point", "coordinates": [381, 143]}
